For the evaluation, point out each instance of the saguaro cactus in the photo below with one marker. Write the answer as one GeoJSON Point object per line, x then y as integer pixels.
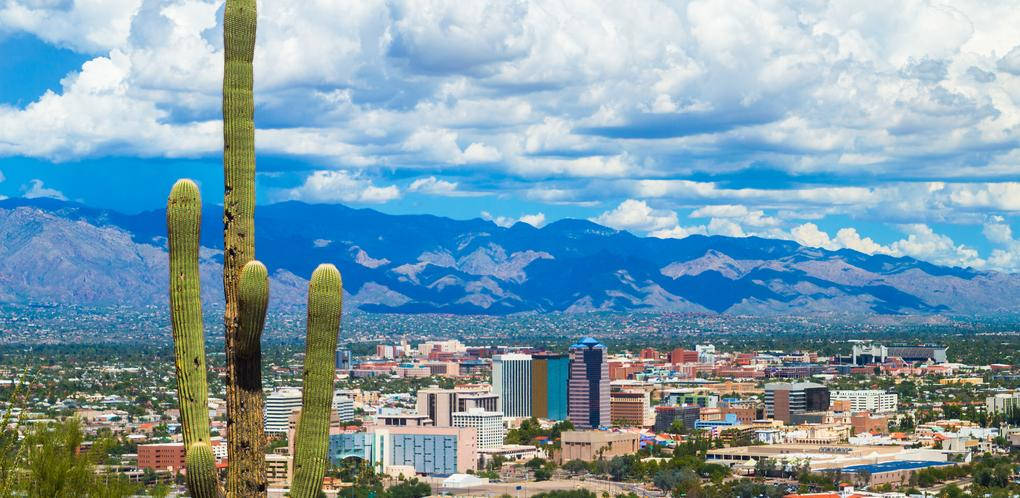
{"type": "Point", "coordinates": [325, 298]}
{"type": "Point", "coordinates": [184, 219]}
{"type": "Point", "coordinates": [246, 443]}
{"type": "Point", "coordinates": [246, 289]}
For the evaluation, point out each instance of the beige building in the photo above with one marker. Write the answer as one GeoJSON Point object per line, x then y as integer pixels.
{"type": "Point", "coordinates": [439, 405]}
{"type": "Point", "coordinates": [630, 408]}
{"type": "Point", "coordinates": [277, 467]}
{"type": "Point", "coordinates": [592, 445]}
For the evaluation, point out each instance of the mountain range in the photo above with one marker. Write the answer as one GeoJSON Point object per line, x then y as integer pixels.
{"type": "Point", "coordinates": [60, 252]}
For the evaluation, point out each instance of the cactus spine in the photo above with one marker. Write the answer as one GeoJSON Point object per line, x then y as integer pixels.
{"type": "Point", "coordinates": [325, 298]}
{"type": "Point", "coordinates": [184, 220]}
{"type": "Point", "coordinates": [201, 465]}
{"type": "Point", "coordinates": [246, 445]}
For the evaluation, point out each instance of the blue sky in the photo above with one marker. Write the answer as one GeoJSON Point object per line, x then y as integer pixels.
{"type": "Point", "coordinates": [883, 127]}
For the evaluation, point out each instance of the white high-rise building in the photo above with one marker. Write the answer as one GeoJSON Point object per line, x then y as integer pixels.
{"type": "Point", "coordinates": [488, 426]}
{"type": "Point", "coordinates": [344, 407]}
{"type": "Point", "coordinates": [279, 405]}
{"type": "Point", "coordinates": [867, 400]}
{"type": "Point", "coordinates": [511, 380]}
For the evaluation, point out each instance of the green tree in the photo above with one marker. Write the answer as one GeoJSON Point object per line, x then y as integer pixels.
{"type": "Point", "coordinates": [409, 489]}
{"type": "Point", "coordinates": [55, 468]}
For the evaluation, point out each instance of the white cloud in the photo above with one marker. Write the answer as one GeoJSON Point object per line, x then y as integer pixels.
{"type": "Point", "coordinates": [679, 232]}
{"type": "Point", "coordinates": [637, 215]}
{"type": "Point", "coordinates": [922, 242]}
{"type": "Point", "coordinates": [739, 213]}
{"type": "Point", "coordinates": [339, 186]}
{"type": "Point", "coordinates": [809, 235]}
{"type": "Point", "coordinates": [1006, 256]}
{"type": "Point", "coordinates": [571, 103]}
{"type": "Point", "coordinates": [35, 189]}
{"type": "Point", "coordinates": [84, 26]}
{"type": "Point", "coordinates": [536, 220]}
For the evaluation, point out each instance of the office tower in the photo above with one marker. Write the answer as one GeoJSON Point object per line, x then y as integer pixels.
{"type": "Point", "coordinates": [511, 380]}
{"type": "Point", "coordinates": [344, 407]}
{"type": "Point", "coordinates": [279, 405]}
{"type": "Point", "coordinates": [440, 404]}
{"type": "Point", "coordinates": [489, 426]}
{"type": "Point", "coordinates": [630, 409]}
{"type": "Point", "coordinates": [782, 401]}
{"type": "Point", "coordinates": [549, 374]}
{"type": "Point", "coordinates": [588, 386]}
{"type": "Point", "coordinates": [343, 359]}
{"type": "Point", "coordinates": [681, 355]}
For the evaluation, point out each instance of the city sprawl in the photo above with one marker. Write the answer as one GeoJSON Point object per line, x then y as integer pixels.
{"type": "Point", "coordinates": [556, 404]}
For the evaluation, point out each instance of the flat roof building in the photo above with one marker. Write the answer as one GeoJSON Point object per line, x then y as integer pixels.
{"type": "Point", "coordinates": [592, 445]}
{"type": "Point", "coordinates": [782, 401]}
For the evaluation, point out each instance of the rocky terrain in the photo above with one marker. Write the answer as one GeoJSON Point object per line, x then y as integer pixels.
{"type": "Point", "coordinates": [58, 252]}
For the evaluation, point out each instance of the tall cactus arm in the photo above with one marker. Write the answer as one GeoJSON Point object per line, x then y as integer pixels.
{"type": "Point", "coordinates": [325, 298]}
{"type": "Point", "coordinates": [253, 297]}
{"type": "Point", "coordinates": [246, 476]}
{"type": "Point", "coordinates": [184, 219]}
{"type": "Point", "coordinates": [201, 466]}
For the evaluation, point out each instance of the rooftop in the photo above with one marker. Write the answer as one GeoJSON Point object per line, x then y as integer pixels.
{"type": "Point", "coordinates": [892, 466]}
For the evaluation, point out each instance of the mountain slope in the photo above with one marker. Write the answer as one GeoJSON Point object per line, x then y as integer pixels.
{"type": "Point", "coordinates": [60, 252]}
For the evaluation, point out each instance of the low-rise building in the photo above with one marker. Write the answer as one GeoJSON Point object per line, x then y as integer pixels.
{"type": "Point", "coordinates": [589, 446]}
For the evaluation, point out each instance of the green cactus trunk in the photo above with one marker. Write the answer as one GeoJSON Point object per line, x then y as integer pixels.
{"type": "Point", "coordinates": [201, 466]}
{"type": "Point", "coordinates": [184, 221]}
{"type": "Point", "coordinates": [246, 446]}
{"type": "Point", "coordinates": [325, 299]}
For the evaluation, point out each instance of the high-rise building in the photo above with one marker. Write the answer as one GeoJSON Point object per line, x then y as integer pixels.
{"type": "Point", "coordinates": [681, 355]}
{"type": "Point", "coordinates": [489, 426]}
{"type": "Point", "coordinates": [549, 374]}
{"type": "Point", "coordinates": [343, 359]}
{"type": "Point", "coordinates": [588, 386]}
{"type": "Point", "coordinates": [867, 400]}
{"type": "Point", "coordinates": [440, 404]}
{"type": "Point", "coordinates": [279, 405]}
{"type": "Point", "coordinates": [630, 408]}
{"type": "Point", "coordinates": [511, 380]}
{"type": "Point", "coordinates": [344, 407]}
{"type": "Point", "coordinates": [782, 401]}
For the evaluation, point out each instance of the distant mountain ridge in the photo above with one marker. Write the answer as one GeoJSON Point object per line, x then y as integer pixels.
{"type": "Point", "coordinates": [55, 251]}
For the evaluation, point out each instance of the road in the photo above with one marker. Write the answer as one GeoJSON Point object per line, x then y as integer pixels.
{"type": "Point", "coordinates": [531, 488]}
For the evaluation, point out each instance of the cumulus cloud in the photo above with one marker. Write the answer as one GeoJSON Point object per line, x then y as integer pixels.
{"type": "Point", "coordinates": [637, 215]}
{"type": "Point", "coordinates": [36, 189]}
{"type": "Point", "coordinates": [339, 186]}
{"type": "Point", "coordinates": [738, 213]}
{"type": "Point", "coordinates": [902, 113]}
{"type": "Point", "coordinates": [434, 186]}
{"type": "Point", "coordinates": [538, 90]}
{"type": "Point", "coordinates": [921, 242]}
{"type": "Point", "coordinates": [808, 234]}
{"type": "Point", "coordinates": [536, 220]}
{"type": "Point", "coordinates": [1007, 255]}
